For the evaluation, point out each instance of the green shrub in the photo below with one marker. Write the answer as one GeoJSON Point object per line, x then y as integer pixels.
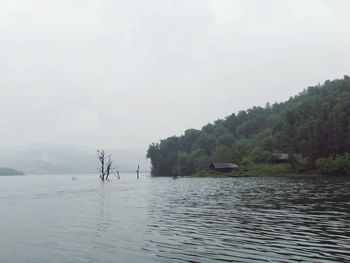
{"type": "Point", "coordinates": [338, 165]}
{"type": "Point", "coordinates": [300, 163]}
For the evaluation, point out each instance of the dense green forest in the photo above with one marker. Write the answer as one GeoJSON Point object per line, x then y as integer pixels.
{"type": "Point", "coordinates": [313, 127]}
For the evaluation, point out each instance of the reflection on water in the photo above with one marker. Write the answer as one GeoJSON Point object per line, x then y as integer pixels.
{"type": "Point", "coordinates": [56, 219]}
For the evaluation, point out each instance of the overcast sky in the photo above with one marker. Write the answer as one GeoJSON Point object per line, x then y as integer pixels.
{"type": "Point", "coordinates": [129, 72]}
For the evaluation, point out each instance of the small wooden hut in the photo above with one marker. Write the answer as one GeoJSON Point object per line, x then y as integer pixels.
{"type": "Point", "coordinates": [223, 167]}
{"type": "Point", "coordinates": [281, 157]}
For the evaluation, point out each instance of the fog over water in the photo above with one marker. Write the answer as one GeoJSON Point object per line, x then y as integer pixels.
{"type": "Point", "coordinates": [126, 73]}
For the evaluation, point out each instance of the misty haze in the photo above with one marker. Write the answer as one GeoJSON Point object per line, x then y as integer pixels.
{"type": "Point", "coordinates": [174, 131]}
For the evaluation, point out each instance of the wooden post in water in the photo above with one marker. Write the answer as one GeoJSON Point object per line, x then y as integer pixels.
{"type": "Point", "coordinates": [138, 172]}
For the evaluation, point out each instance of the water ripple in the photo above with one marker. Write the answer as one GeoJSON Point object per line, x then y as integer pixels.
{"type": "Point", "coordinates": [262, 219]}
{"type": "Point", "coordinates": [251, 220]}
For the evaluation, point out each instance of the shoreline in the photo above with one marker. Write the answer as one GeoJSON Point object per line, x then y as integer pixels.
{"type": "Point", "coordinates": [230, 175]}
{"type": "Point", "coordinates": [257, 170]}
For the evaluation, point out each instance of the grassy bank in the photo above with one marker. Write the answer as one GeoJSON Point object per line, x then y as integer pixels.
{"type": "Point", "coordinates": [256, 170]}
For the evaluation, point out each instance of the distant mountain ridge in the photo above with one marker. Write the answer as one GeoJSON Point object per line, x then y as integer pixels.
{"type": "Point", "coordinates": [62, 159]}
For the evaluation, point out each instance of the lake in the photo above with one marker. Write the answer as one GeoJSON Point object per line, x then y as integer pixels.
{"type": "Point", "coordinates": [53, 218]}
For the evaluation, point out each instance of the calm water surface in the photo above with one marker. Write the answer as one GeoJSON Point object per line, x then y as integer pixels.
{"type": "Point", "coordinates": [264, 219]}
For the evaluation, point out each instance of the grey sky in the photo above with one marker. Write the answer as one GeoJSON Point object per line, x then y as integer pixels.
{"type": "Point", "coordinates": [127, 73]}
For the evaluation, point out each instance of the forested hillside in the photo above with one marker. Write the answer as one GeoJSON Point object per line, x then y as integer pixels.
{"type": "Point", "coordinates": [313, 126]}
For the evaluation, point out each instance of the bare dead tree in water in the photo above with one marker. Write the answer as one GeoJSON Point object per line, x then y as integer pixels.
{"type": "Point", "coordinates": [106, 163]}
{"type": "Point", "coordinates": [108, 166]}
{"type": "Point", "coordinates": [116, 173]}
{"type": "Point", "coordinates": [101, 157]}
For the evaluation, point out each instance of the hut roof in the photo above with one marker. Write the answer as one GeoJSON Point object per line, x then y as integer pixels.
{"type": "Point", "coordinates": [281, 156]}
{"type": "Point", "coordinates": [224, 165]}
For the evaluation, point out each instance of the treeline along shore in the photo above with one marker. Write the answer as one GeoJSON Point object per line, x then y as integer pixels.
{"type": "Point", "coordinates": [312, 128]}
{"type": "Point", "coordinates": [9, 171]}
